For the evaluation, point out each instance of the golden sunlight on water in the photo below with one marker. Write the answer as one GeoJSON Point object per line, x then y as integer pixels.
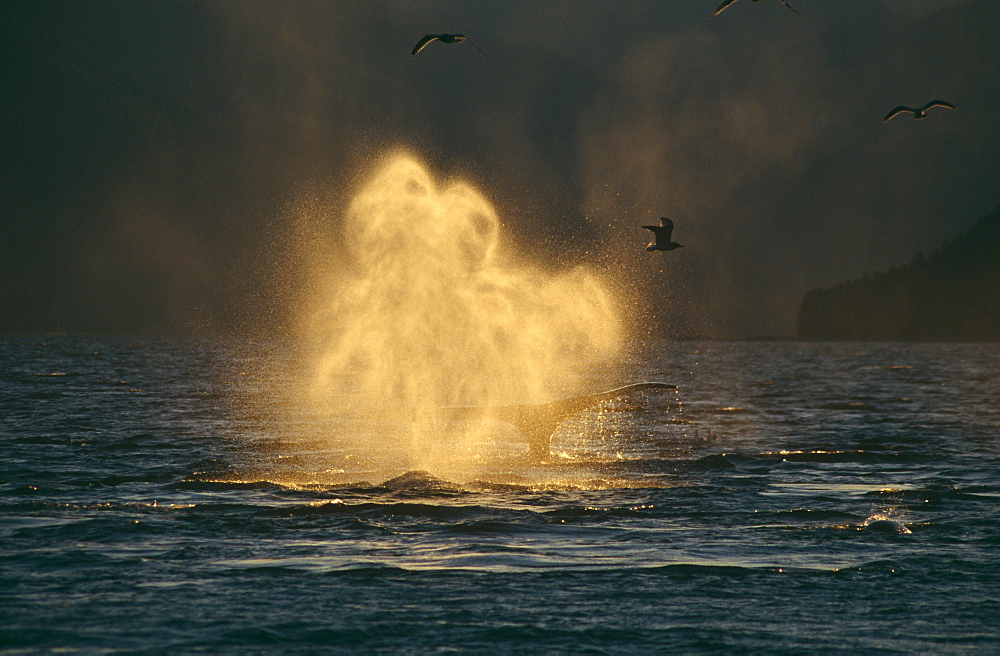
{"type": "Point", "coordinates": [433, 309]}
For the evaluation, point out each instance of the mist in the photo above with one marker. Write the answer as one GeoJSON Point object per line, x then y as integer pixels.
{"type": "Point", "coordinates": [157, 154]}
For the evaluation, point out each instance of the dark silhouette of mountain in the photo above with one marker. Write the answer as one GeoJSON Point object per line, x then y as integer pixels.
{"type": "Point", "coordinates": [952, 295]}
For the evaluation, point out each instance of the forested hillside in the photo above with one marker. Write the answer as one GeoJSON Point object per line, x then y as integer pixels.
{"type": "Point", "coordinates": [952, 295]}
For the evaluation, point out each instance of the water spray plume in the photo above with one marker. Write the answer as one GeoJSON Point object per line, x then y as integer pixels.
{"type": "Point", "coordinates": [432, 309]}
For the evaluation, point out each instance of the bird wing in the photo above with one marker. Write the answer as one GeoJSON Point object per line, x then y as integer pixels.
{"type": "Point", "coordinates": [788, 5]}
{"type": "Point", "coordinates": [722, 7]}
{"type": "Point", "coordinates": [898, 110]}
{"type": "Point", "coordinates": [937, 103]}
{"type": "Point", "coordinates": [668, 227]}
{"type": "Point", "coordinates": [423, 43]}
{"type": "Point", "coordinates": [474, 44]}
{"type": "Point", "coordinates": [657, 230]}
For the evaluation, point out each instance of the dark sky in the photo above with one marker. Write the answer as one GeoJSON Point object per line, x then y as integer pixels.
{"type": "Point", "coordinates": [153, 154]}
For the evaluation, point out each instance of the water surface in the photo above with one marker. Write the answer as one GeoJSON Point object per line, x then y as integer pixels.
{"type": "Point", "coordinates": [167, 495]}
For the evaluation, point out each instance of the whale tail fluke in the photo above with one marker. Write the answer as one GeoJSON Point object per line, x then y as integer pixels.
{"type": "Point", "coordinates": [537, 422]}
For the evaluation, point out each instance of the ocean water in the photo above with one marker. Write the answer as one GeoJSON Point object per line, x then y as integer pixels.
{"type": "Point", "coordinates": [170, 496]}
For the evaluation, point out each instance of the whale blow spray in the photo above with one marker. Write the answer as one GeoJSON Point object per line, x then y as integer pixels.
{"type": "Point", "coordinates": [431, 309]}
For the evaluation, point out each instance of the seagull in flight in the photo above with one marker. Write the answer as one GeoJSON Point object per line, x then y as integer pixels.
{"type": "Point", "coordinates": [443, 38]}
{"type": "Point", "coordinates": [920, 112]}
{"type": "Point", "coordinates": [726, 4]}
{"type": "Point", "coordinates": [661, 236]}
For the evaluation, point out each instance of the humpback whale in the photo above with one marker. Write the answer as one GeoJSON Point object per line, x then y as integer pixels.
{"type": "Point", "coordinates": [886, 526]}
{"type": "Point", "coordinates": [538, 422]}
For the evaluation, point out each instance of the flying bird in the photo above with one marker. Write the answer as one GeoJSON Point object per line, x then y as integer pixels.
{"type": "Point", "coordinates": [661, 236]}
{"type": "Point", "coordinates": [443, 38]}
{"type": "Point", "coordinates": [920, 112]}
{"type": "Point", "coordinates": [726, 4]}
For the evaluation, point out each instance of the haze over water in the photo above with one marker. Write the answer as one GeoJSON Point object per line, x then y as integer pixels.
{"type": "Point", "coordinates": [152, 147]}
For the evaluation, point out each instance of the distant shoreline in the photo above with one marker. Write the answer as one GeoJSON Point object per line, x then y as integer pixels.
{"type": "Point", "coordinates": [953, 295]}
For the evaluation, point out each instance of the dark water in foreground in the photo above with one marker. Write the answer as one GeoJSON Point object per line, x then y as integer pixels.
{"type": "Point", "coordinates": [801, 498]}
